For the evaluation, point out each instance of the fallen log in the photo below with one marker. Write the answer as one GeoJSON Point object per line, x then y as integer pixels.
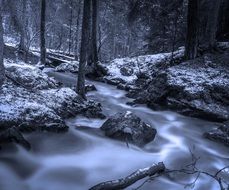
{"type": "Point", "coordinates": [131, 179]}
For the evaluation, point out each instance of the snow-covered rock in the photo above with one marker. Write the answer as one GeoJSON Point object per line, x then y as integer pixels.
{"type": "Point", "coordinates": [70, 66]}
{"type": "Point", "coordinates": [126, 70]}
{"type": "Point", "coordinates": [198, 88]}
{"type": "Point", "coordinates": [29, 76]}
{"type": "Point", "coordinates": [20, 107]}
{"type": "Point", "coordinates": [220, 134]}
{"type": "Point", "coordinates": [130, 128]}
{"type": "Point", "coordinates": [30, 100]}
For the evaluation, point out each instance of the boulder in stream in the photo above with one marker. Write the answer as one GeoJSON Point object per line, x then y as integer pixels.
{"type": "Point", "coordinates": [220, 134]}
{"type": "Point", "coordinates": [129, 127]}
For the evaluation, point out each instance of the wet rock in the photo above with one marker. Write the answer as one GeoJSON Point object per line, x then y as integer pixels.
{"type": "Point", "coordinates": [129, 127]}
{"type": "Point", "coordinates": [90, 87]}
{"type": "Point", "coordinates": [220, 134]}
{"type": "Point", "coordinates": [126, 71]}
{"type": "Point", "coordinates": [93, 110]}
{"type": "Point", "coordinates": [131, 103]}
{"type": "Point", "coordinates": [114, 81]}
{"type": "Point", "coordinates": [14, 135]}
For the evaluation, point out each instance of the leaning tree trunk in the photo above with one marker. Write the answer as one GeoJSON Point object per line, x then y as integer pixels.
{"type": "Point", "coordinates": [84, 48]}
{"type": "Point", "coordinates": [192, 30]}
{"type": "Point", "coordinates": [2, 69]}
{"type": "Point", "coordinates": [42, 33]}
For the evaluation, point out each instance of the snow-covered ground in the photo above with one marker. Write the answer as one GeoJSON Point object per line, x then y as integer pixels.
{"type": "Point", "coordinates": [28, 75]}
{"type": "Point", "coordinates": [127, 68]}
{"type": "Point", "coordinates": [30, 99]}
{"type": "Point", "coordinates": [70, 66]}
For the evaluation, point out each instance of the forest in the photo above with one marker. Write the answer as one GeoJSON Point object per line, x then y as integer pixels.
{"type": "Point", "coordinates": [114, 94]}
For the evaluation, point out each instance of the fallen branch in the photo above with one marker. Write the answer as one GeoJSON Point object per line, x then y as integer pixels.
{"type": "Point", "coordinates": [158, 170]}
{"type": "Point", "coordinates": [131, 179]}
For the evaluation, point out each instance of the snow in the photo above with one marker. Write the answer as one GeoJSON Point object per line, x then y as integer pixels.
{"type": "Point", "coordinates": [10, 41]}
{"type": "Point", "coordinates": [70, 66]}
{"type": "Point", "coordinates": [19, 105]}
{"type": "Point", "coordinates": [39, 103]}
{"type": "Point", "coordinates": [28, 75]}
{"type": "Point", "coordinates": [202, 84]}
{"type": "Point", "coordinates": [138, 64]}
{"type": "Point", "coordinates": [197, 79]}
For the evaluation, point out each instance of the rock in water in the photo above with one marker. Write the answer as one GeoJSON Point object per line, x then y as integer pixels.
{"type": "Point", "coordinates": [129, 127]}
{"type": "Point", "coordinates": [90, 87]}
{"type": "Point", "coordinates": [220, 134]}
{"type": "Point", "coordinates": [14, 135]}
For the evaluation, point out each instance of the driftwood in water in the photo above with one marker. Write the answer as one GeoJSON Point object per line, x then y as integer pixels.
{"type": "Point", "coordinates": [131, 179]}
{"type": "Point", "coordinates": [14, 135]}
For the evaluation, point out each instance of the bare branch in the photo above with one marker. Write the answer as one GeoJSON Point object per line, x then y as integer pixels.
{"type": "Point", "coordinates": [131, 179]}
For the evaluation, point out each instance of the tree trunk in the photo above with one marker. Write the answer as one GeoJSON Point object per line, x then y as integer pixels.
{"type": "Point", "coordinates": [95, 58]}
{"type": "Point", "coordinates": [2, 69]}
{"type": "Point", "coordinates": [76, 51]}
{"type": "Point", "coordinates": [192, 30]}
{"type": "Point", "coordinates": [42, 32]}
{"type": "Point", "coordinates": [70, 29]}
{"type": "Point", "coordinates": [84, 48]}
{"type": "Point", "coordinates": [212, 23]}
{"type": "Point", "coordinates": [223, 22]}
{"type": "Point", "coordinates": [22, 46]}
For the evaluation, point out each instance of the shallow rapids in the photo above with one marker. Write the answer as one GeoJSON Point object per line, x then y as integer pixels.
{"type": "Point", "coordinates": [83, 156]}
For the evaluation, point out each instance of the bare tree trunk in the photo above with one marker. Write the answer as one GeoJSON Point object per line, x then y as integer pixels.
{"type": "Point", "coordinates": [212, 23]}
{"type": "Point", "coordinates": [84, 48]}
{"type": "Point", "coordinates": [70, 29]}
{"type": "Point", "coordinates": [2, 69]}
{"type": "Point", "coordinates": [94, 32]}
{"type": "Point", "coordinates": [22, 46]}
{"type": "Point", "coordinates": [192, 30]}
{"type": "Point", "coordinates": [42, 32]}
{"type": "Point", "coordinates": [174, 35]}
{"type": "Point", "coordinates": [76, 51]}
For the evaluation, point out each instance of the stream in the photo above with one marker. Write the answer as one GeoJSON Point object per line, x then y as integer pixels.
{"type": "Point", "coordinates": [83, 156]}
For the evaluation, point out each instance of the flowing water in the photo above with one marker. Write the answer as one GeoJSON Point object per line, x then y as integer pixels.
{"type": "Point", "coordinates": [83, 156]}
